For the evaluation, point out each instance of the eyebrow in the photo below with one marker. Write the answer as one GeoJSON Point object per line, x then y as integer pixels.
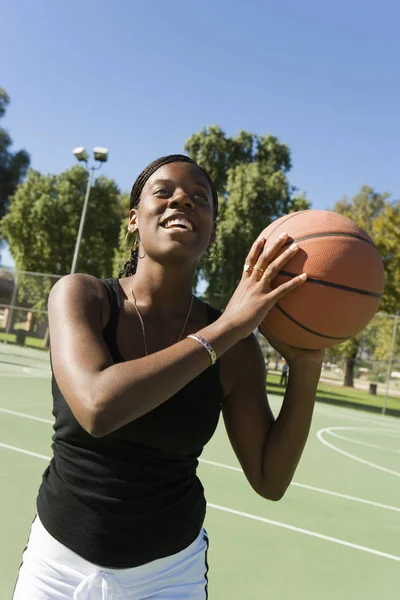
{"type": "Point", "coordinates": [169, 181]}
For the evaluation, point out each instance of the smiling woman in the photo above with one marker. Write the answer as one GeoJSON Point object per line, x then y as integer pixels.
{"type": "Point", "coordinates": [141, 371]}
{"type": "Point", "coordinates": [200, 192]}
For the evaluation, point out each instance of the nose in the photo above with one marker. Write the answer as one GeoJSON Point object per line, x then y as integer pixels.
{"type": "Point", "coordinates": [180, 198]}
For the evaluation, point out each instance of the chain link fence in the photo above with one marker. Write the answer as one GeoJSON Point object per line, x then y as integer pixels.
{"type": "Point", "coordinates": [368, 363]}
{"type": "Point", "coordinates": [23, 307]}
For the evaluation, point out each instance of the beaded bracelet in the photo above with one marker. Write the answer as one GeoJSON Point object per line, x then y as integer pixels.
{"type": "Point", "coordinates": [205, 345]}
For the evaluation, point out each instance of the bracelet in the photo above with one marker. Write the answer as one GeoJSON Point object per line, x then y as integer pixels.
{"type": "Point", "coordinates": [205, 345]}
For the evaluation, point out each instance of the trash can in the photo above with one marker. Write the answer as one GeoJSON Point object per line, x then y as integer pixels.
{"type": "Point", "coordinates": [21, 336]}
{"type": "Point", "coordinates": [372, 388]}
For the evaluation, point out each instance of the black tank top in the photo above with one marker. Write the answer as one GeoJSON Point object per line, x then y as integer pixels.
{"type": "Point", "coordinates": [132, 496]}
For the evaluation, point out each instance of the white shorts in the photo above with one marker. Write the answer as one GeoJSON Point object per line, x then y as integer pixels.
{"type": "Point", "coordinates": [50, 571]}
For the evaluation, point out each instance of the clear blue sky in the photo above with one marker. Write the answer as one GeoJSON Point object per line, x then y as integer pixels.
{"type": "Point", "coordinates": [140, 76]}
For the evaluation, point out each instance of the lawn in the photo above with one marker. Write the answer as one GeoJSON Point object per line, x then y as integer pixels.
{"type": "Point", "coordinates": [338, 394]}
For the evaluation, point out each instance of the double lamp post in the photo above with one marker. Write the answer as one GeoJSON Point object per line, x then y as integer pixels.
{"type": "Point", "coordinates": [100, 156]}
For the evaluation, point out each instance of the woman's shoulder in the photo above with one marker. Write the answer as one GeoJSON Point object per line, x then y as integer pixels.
{"type": "Point", "coordinates": [78, 289]}
{"type": "Point", "coordinates": [78, 284]}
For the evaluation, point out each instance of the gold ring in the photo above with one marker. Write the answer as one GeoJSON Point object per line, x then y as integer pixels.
{"type": "Point", "coordinates": [247, 268]}
{"type": "Point", "coordinates": [256, 268]}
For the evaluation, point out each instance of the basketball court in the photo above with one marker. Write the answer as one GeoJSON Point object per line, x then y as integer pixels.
{"type": "Point", "coordinates": [334, 535]}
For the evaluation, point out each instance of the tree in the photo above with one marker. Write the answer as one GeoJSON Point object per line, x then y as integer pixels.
{"type": "Point", "coordinates": [13, 166]}
{"type": "Point", "coordinates": [42, 223]}
{"type": "Point", "coordinates": [122, 252]}
{"type": "Point", "coordinates": [385, 233]}
{"type": "Point", "coordinates": [380, 218]}
{"type": "Point", "coordinates": [250, 175]}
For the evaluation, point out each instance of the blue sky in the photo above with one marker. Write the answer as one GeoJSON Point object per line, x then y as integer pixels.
{"type": "Point", "coordinates": [139, 77]}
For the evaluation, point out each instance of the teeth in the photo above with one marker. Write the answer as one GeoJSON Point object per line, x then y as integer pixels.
{"type": "Point", "coordinates": [180, 222]}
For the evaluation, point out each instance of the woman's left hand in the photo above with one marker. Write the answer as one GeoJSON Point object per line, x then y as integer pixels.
{"type": "Point", "coordinates": [292, 354]}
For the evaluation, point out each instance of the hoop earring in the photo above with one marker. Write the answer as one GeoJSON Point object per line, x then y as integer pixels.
{"type": "Point", "coordinates": [137, 244]}
{"type": "Point", "coordinates": [135, 233]}
{"type": "Point", "coordinates": [214, 254]}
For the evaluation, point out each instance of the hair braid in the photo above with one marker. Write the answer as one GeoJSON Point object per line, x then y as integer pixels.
{"type": "Point", "coordinates": [137, 188]}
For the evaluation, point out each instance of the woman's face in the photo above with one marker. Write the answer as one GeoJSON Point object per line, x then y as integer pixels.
{"type": "Point", "coordinates": [175, 216]}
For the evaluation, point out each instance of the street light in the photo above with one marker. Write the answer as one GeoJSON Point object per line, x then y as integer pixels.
{"type": "Point", "coordinates": [100, 155]}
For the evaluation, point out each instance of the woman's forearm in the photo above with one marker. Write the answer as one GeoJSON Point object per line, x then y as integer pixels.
{"type": "Point", "coordinates": [287, 437]}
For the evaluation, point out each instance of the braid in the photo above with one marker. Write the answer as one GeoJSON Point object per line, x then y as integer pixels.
{"type": "Point", "coordinates": [137, 188]}
{"type": "Point", "coordinates": [131, 265]}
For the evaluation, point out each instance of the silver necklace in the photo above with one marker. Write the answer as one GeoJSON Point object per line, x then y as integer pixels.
{"type": "Point", "coordinates": [142, 323]}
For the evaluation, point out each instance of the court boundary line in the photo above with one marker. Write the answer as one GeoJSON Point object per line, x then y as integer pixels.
{"type": "Point", "coordinates": [239, 470]}
{"type": "Point", "coordinates": [312, 488]}
{"type": "Point", "coordinates": [252, 517]}
{"type": "Point", "coordinates": [353, 456]}
{"type": "Point", "coordinates": [361, 443]}
{"type": "Point", "coordinates": [306, 532]}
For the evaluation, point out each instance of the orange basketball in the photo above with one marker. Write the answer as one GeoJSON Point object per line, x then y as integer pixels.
{"type": "Point", "coordinates": [344, 286]}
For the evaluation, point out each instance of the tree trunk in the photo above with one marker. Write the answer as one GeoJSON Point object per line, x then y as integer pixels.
{"type": "Point", "coordinates": [46, 341]}
{"type": "Point", "coordinates": [349, 371]}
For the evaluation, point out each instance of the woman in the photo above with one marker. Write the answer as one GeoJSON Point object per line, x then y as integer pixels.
{"type": "Point", "coordinates": [141, 371]}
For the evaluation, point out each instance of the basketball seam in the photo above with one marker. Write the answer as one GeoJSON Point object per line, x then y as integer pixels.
{"type": "Point", "coordinates": [284, 219]}
{"type": "Point", "coordinates": [339, 286]}
{"type": "Point", "coordinates": [332, 234]}
{"type": "Point", "coordinates": [330, 337]}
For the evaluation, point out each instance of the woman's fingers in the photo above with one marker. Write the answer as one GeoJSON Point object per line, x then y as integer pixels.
{"type": "Point", "coordinates": [253, 255]}
{"type": "Point", "coordinates": [273, 268]}
{"type": "Point", "coordinates": [287, 287]}
{"type": "Point", "coordinates": [258, 264]}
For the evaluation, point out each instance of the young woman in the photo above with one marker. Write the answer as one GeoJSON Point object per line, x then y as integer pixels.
{"type": "Point", "coordinates": [141, 371]}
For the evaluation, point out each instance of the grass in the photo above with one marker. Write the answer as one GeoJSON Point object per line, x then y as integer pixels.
{"type": "Point", "coordinates": [30, 341]}
{"type": "Point", "coordinates": [333, 394]}
{"type": "Point", "coordinates": [341, 395]}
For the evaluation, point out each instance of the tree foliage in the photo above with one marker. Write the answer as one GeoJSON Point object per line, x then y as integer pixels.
{"type": "Point", "coordinates": [250, 173]}
{"type": "Point", "coordinates": [380, 218]}
{"type": "Point", "coordinates": [42, 223]}
{"type": "Point", "coordinates": [13, 166]}
{"type": "Point", "coordinates": [122, 252]}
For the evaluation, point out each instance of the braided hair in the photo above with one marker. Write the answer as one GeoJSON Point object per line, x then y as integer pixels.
{"type": "Point", "coordinates": [137, 188]}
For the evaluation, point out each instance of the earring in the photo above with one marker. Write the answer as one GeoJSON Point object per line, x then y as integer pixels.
{"type": "Point", "coordinates": [137, 244]}
{"type": "Point", "coordinates": [135, 232]}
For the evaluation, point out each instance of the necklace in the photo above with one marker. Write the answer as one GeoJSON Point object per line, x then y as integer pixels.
{"type": "Point", "coordinates": [142, 323]}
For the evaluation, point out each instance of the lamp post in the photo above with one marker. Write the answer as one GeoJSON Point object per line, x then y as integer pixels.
{"type": "Point", "coordinates": [100, 155]}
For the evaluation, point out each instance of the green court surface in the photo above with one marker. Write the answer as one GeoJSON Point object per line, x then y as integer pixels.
{"type": "Point", "coordinates": [335, 534]}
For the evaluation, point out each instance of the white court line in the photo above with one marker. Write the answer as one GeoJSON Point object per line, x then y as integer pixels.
{"type": "Point", "coordinates": [386, 420]}
{"type": "Point", "coordinates": [25, 416]}
{"type": "Point", "coordinates": [256, 518]}
{"type": "Point", "coordinates": [306, 532]}
{"type": "Point", "coordinates": [238, 469]}
{"type": "Point", "coordinates": [312, 488]}
{"type": "Point", "coordinates": [357, 458]}
{"type": "Point", "coordinates": [360, 443]}
{"type": "Point", "coordinates": [22, 451]}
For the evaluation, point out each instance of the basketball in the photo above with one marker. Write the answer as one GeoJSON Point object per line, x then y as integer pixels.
{"type": "Point", "coordinates": [344, 286]}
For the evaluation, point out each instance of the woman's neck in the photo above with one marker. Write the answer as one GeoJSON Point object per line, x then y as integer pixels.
{"type": "Point", "coordinates": [168, 287]}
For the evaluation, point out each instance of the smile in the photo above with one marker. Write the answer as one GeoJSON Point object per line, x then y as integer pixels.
{"type": "Point", "coordinates": [179, 223]}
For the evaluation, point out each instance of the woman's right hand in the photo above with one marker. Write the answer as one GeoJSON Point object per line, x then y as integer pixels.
{"type": "Point", "coordinates": [254, 296]}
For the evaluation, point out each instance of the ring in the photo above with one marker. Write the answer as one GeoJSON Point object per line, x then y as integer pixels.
{"type": "Point", "coordinates": [247, 268]}
{"type": "Point", "coordinates": [256, 268]}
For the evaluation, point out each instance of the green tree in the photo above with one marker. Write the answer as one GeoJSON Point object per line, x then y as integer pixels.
{"type": "Point", "coordinates": [13, 166]}
{"type": "Point", "coordinates": [385, 233]}
{"type": "Point", "coordinates": [122, 252]}
{"type": "Point", "coordinates": [250, 173]}
{"type": "Point", "coordinates": [42, 223]}
{"type": "Point", "coordinates": [380, 218]}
